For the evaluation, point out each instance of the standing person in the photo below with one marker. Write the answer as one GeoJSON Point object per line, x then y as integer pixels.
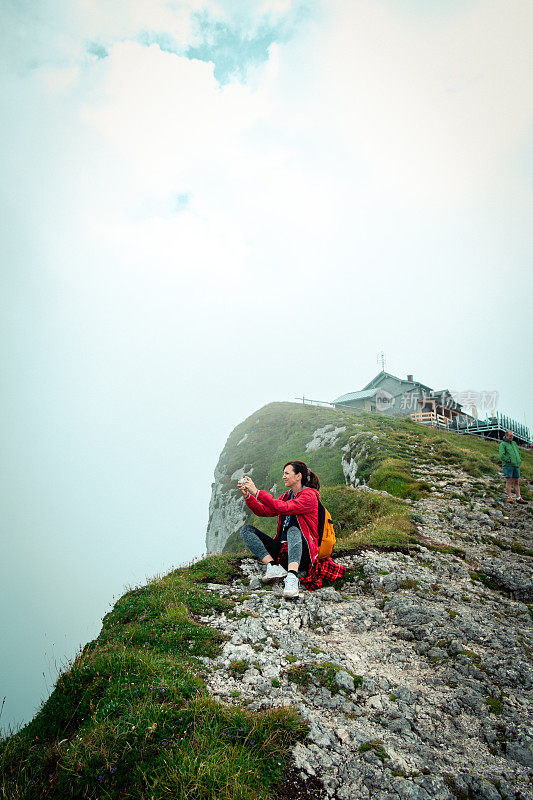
{"type": "Point", "coordinates": [297, 533]}
{"type": "Point", "coordinates": [511, 460]}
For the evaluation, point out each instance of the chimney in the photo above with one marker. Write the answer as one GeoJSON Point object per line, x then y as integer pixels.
{"type": "Point", "coordinates": [410, 378]}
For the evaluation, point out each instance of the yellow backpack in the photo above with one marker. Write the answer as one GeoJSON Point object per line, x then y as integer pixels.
{"type": "Point", "coordinates": [326, 534]}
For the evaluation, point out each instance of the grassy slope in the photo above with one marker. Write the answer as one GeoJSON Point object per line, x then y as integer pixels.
{"type": "Point", "coordinates": [131, 718]}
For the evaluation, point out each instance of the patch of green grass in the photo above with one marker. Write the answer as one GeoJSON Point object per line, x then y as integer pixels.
{"type": "Point", "coordinates": [300, 675]}
{"type": "Point", "coordinates": [239, 666]}
{"type": "Point", "coordinates": [324, 675]}
{"type": "Point", "coordinates": [352, 509]}
{"type": "Point", "coordinates": [132, 718]}
{"type": "Point", "coordinates": [393, 530]}
{"type": "Point", "coordinates": [215, 569]}
{"type": "Point", "coordinates": [486, 580]}
{"type": "Point", "coordinates": [239, 614]}
{"type": "Point", "coordinates": [364, 519]}
{"type": "Point", "coordinates": [377, 747]}
{"type": "Point", "coordinates": [495, 705]}
{"type": "Point", "coordinates": [514, 548]}
{"type": "Point", "coordinates": [474, 657]}
{"type": "Point", "coordinates": [393, 476]}
{"type": "Point", "coordinates": [527, 648]}
{"type": "Point", "coordinates": [409, 583]}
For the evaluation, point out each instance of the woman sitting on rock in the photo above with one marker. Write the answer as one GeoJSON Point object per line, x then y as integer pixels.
{"type": "Point", "coordinates": [296, 540]}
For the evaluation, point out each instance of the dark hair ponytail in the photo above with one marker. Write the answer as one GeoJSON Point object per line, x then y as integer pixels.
{"type": "Point", "coordinates": [309, 478]}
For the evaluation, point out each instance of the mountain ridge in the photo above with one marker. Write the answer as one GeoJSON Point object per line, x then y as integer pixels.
{"type": "Point", "coordinates": [344, 449]}
{"type": "Point", "coordinates": [409, 679]}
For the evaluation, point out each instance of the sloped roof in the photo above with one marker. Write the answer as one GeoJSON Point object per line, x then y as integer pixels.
{"type": "Point", "coordinates": [379, 377]}
{"type": "Point", "coordinates": [345, 398]}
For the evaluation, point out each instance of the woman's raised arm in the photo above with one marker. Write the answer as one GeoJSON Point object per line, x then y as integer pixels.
{"type": "Point", "coordinates": [306, 502]}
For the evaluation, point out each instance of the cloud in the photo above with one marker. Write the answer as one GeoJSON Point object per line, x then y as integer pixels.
{"type": "Point", "coordinates": [364, 121]}
{"type": "Point", "coordinates": [423, 112]}
{"type": "Point", "coordinates": [61, 32]}
{"type": "Point", "coordinates": [372, 146]}
{"type": "Point", "coordinates": [237, 43]}
{"type": "Point", "coordinates": [164, 114]}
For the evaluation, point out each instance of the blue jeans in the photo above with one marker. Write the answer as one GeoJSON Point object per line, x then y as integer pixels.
{"type": "Point", "coordinates": [263, 545]}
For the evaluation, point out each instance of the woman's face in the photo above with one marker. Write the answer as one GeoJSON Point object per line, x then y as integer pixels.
{"type": "Point", "coordinates": [291, 479]}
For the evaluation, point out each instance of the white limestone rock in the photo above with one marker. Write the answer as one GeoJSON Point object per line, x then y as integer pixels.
{"type": "Point", "coordinates": [324, 437]}
{"type": "Point", "coordinates": [227, 513]}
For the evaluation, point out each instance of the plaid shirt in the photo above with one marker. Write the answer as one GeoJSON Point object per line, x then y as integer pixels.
{"type": "Point", "coordinates": [324, 569]}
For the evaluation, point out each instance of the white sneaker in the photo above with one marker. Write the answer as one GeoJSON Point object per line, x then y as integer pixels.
{"type": "Point", "coordinates": [273, 573]}
{"type": "Point", "coordinates": [292, 585]}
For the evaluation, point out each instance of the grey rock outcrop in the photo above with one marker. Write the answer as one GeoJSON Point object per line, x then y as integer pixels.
{"type": "Point", "coordinates": [415, 672]}
{"type": "Point", "coordinates": [227, 512]}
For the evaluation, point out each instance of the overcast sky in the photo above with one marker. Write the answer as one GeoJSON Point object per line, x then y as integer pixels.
{"type": "Point", "coordinates": [207, 206]}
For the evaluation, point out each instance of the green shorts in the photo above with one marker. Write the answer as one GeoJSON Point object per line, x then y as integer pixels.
{"type": "Point", "coordinates": [511, 472]}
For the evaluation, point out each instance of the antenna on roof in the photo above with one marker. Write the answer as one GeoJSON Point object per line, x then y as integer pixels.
{"type": "Point", "coordinates": [381, 359]}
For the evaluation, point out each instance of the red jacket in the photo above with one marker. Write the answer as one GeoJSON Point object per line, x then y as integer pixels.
{"type": "Point", "coordinates": [304, 506]}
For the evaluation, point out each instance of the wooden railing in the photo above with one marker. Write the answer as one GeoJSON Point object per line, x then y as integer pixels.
{"type": "Point", "coordinates": [431, 418]}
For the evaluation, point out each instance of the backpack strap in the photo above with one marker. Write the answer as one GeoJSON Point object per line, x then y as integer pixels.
{"type": "Point", "coordinates": [321, 522]}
